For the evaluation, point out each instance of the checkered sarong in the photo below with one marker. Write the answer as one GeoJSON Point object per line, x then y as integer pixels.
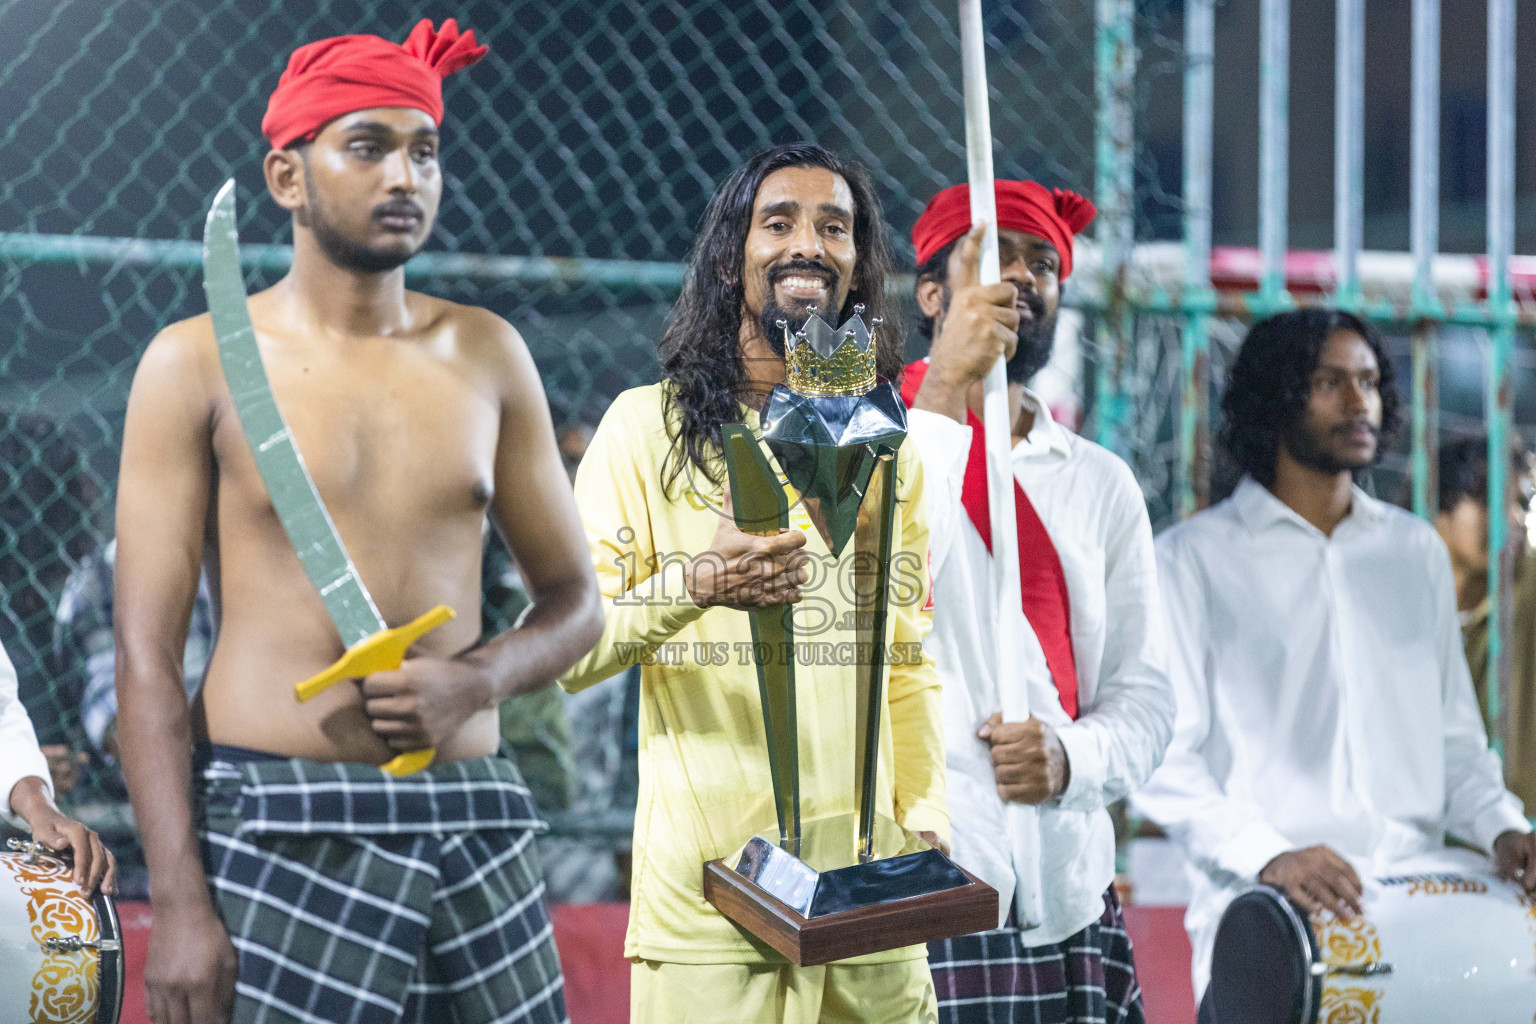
{"type": "Point", "coordinates": [353, 897]}
{"type": "Point", "coordinates": [993, 978]}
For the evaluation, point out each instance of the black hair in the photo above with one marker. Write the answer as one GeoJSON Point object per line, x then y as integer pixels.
{"type": "Point", "coordinates": [934, 268]}
{"type": "Point", "coordinates": [700, 352]}
{"type": "Point", "coordinates": [1271, 381]}
{"type": "Point", "coordinates": [1463, 472]}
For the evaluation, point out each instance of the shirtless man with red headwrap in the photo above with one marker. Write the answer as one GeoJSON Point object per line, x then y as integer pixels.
{"type": "Point", "coordinates": [1102, 708]}
{"type": "Point", "coordinates": [340, 892]}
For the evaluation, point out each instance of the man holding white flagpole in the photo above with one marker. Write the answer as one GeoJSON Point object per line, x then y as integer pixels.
{"type": "Point", "coordinates": [1023, 822]}
{"type": "Point", "coordinates": [1056, 701]}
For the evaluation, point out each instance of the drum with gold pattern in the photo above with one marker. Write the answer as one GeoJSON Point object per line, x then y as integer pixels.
{"type": "Point", "coordinates": [1441, 939]}
{"type": "Point", "coordinates": [61, 953]}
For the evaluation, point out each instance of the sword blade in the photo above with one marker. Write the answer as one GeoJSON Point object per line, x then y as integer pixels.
{"type": "Point", "coordinates": [289, 485]}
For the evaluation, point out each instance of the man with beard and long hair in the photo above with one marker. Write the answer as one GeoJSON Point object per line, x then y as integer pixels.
{"type": "Point", "coordinates": [792, 231]}
{"type": "Point", "coordinates": [291, 878]}
{"type": "Point", "coordinates": [1101, 707]}
{"type": "Point", "coordinates": [1326, 725]}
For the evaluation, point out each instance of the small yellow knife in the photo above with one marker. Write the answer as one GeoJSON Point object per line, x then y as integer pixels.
{"type": "Point", "coordinates": [382, 652]}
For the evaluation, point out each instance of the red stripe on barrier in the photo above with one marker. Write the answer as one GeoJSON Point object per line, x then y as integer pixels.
{"type": "Point", "coordinates": [590, 938]}
{"type": "Point", "coordinates": [591, 941]}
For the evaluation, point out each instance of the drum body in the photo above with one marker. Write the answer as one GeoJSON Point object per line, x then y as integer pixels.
{"type": "Point", "coordinates": [61, 959]}
{"type": "Point", "coordinates": [1442, 939]}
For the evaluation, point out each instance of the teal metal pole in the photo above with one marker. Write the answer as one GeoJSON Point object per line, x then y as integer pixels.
{"type": "Point", "coordinates": [1500, 395]}
{"type": "Point", "coordinates": [185, 255]}
{"type": "Point", "coordinates": [1114, 154]}
{"type": "Point", "coordinates": [1199, 298]}
{"type": "Point", "coordinates": [1425, 426]}
{"type": "Point", "coordinates": [1500, 409]}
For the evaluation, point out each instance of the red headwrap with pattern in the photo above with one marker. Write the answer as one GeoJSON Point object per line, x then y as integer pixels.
{"type": "Point", "coordinates": [336, 76]}
{"type": "Point", "coordinates": [1053, 214]}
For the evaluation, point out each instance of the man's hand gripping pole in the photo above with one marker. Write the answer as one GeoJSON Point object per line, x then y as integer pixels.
{"type": "Point", "coordinates": [382, 652]}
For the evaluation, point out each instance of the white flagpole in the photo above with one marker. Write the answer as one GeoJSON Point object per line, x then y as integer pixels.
{"type": "Point", "coordinates": [1023, 820]}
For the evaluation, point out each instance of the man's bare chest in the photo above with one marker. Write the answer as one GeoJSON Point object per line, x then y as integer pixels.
{"type": "Point", "coordinates": [385, 435]}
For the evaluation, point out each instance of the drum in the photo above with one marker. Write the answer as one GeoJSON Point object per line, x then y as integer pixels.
{"type": "Point", "coordinates": [1441, 939]}
{"type": "Point", "coordinates": [61, 952]}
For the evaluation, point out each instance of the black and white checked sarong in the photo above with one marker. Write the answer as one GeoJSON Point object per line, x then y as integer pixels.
{"type": "Point", "coordinates": [993, 978]}
{"type": "Point", "coordinates": [353, 897]}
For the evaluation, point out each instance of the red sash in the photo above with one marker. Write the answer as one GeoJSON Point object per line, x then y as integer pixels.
{"type": "Point", "coordinates": [1042, 584]}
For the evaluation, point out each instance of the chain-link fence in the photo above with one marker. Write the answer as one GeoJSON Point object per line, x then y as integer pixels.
{"type": "Point", "coordinates": [593, 134]}
{"type": "Point", "coordinates": [578, 158]}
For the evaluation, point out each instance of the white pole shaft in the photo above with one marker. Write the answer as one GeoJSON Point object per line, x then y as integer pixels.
{"type": "Point", "coordinates": [1274, 141]}
{"type": "Point", "coordinates": [1199, 104]}
{"type": "Point", "coordinates": [1349, 148]}
{"type": "Point", "coordinates": [1424, 174]}
{"type": "Point", "coordinates": [1501, 148]}
{"type": "Point", "coordinates": [1023, 821]}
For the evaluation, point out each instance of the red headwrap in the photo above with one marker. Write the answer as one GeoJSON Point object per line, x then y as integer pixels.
{"type": "Point", "coordinates": [1053, 214]}
{"type": "Point", "coordinates": [336, 76]}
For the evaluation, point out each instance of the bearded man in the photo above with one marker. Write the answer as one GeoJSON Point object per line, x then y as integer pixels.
{"type": "Point", "coordinates": [793, 230]}
{"type": "Point", "coordinates": [1101, 707]}
{"type": "Point", "coordinates": [340, 892]}
{"type": "Point", "coordinates": [1327, 726]}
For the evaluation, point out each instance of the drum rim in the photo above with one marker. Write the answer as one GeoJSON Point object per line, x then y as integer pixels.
{"type": "Point", "coordinates": [1311, 989]}
{"type": "Point", "coordinates": [111, 963]}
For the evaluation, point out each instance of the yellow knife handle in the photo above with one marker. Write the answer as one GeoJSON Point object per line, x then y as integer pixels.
{"type": "Point", "coordinates": [384, 651]}
{"type": "Point", "coordinates": [410, 762]}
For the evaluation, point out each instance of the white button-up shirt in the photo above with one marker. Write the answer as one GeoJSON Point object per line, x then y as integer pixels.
{"type": "Point", "coordinates": [1094, 512]}
{"type": "Point", "coordinates": [20, 756]}
{"type": "Point", "coordinates": [1323, 697]}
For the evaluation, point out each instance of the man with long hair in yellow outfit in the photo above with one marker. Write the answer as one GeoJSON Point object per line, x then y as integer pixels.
{"type": "Point", "coordinates": [792, 231]}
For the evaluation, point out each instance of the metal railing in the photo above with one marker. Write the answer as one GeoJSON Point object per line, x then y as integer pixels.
{"type": "Point", "coordinates": [605, 151]}
{"type": "Point", "coordinates": [1496, 311]}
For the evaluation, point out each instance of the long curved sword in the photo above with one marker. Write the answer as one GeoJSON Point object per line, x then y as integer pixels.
{"type": "Point", "coordinates": [372, 646]}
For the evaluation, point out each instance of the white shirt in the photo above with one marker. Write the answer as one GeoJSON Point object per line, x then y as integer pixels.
{"type": "Point", "coordinates": [20, 756]}
{"type": "Point", "coordinates": [1323, 697]}
{"type": "Point", "coordinates": [1094, 512]}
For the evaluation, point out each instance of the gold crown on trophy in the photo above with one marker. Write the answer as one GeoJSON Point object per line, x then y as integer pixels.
{"type": "Point", "coordinates": [822, 360]}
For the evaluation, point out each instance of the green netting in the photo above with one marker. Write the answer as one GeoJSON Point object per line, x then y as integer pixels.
{"type": "Point", "coordinates": [594, 132]}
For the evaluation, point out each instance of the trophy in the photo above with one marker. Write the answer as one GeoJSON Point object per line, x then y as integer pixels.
{"type": "Point", "coordinates": [849, 884]}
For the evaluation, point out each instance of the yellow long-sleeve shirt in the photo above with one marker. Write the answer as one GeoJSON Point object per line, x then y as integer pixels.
{"type": "Point", "coordinates": [705, 786]}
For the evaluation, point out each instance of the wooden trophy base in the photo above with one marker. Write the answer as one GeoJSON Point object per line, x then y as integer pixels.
{"type": "Point", "coordinates": [815, 916]}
